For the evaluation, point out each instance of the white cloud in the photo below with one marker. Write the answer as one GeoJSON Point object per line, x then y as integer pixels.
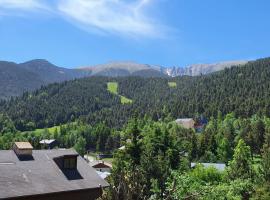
{"type": "Point", "coordinates": [22, 4]}
{"type": "Point", "coordinates": [112, 16]}
{"type": "Point", "coordinates": [120, 17]}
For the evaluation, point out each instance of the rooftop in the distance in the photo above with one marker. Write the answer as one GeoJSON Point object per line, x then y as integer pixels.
{"type": "Point", "coordinates": [97, 162]}
{"type": "Point", "coordinates": [47, 141]}
{"type": "Point", "coordinates": [184, 119]}
{"type": "Point", "coordinates": [218, 166]}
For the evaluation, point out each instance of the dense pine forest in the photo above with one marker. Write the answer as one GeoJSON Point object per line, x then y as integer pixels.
{"type": "Point", "coordinates": [155, 163]}
{"type": "Point", "coordinates": [242, 90]}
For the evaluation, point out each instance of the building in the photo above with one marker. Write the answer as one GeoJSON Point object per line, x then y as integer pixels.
{"type": "Point", "coordinates": [49, 143]}
{"type": "Point", "coordinates": [27, 174]}
{"type": "Point", "coordinates": [101, 166]}
{"type": "Point", "coordinates": [186, 122]}
{"type": "Point", "coordinates": [218, 166]}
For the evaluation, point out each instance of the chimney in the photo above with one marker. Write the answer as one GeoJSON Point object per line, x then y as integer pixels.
{"type": "Point", "coordinates": [23, 149]}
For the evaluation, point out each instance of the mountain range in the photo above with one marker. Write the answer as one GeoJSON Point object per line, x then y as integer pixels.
{"type": "Point", "coordinates": [31, 75]}
{"type": "Point", "coordinates": [201, 69]}
{"type": "Point", "coordinates": [114, 69]}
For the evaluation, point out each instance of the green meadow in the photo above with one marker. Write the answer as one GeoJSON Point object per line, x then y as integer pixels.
{"type": "Point", "coordinates": [172, 84]}
{"type": "Point", "coordinates": [113, 88]}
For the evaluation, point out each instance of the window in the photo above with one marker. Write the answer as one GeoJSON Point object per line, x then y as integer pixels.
{"type": "Point", "coordinates": [70, 163]}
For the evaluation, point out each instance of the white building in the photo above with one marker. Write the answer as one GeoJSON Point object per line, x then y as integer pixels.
{"type": "Point", "coordinates": [186, 122]}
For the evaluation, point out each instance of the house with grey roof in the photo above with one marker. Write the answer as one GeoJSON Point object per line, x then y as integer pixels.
{"type": "Point", "coordinates": [58, 174]}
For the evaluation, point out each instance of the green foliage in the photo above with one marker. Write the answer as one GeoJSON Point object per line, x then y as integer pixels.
{"type": "Point", "coordinates": [265, 162]}
{"type": "Point", "coordinates": [64, 102]}
{"type": "Point", "coordinates": [153, 149]}
{"type": "Point", "coordinates": [80, 146]}
{"type": "Point", "coordinates": [262, 192]}
{"type": "Point", "coordinates": [206, 184]}
{"type": "Point", "coordinates": [6, 124]}
{"type": "Point", "coordinates": [241, 165]}
{"type": "Point", "coordinates": [209, 175]}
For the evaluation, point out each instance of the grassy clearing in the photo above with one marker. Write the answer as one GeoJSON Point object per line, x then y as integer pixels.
{"type": "Point", "coordinates": [125, 100]}
{"type": "Point", "coordinates": [172, 84]}
{"type": "Point", "coordinates": [51, 130]}
{"type": "Point", "coordinates": [113, 88]}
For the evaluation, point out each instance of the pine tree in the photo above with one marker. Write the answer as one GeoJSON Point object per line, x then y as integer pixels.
{"type": "Point", "coordinates": [241, 165]}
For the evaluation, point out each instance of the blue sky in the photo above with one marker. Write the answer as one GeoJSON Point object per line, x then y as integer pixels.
{"type": "Point", "coordinates": [73, 33]}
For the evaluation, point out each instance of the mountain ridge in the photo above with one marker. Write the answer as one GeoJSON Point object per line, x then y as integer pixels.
{"type": "Point", "coordinates": [17, 78]}
{"type": "Point", "coordinates": [131, 67]}
{"type": "Point", "coordinates": [201, 69]}
{"type": "Point", "coordinates": [30, 75]}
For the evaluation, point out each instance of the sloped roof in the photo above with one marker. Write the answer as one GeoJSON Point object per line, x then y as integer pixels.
{"type": "Point", "coordinates": [100, 164]}
{"type": "Point", "coordinates": [42, 175]}
{"type": "Point", "coordinates": [46, 141]}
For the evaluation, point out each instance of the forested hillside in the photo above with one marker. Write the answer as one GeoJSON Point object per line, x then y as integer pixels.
{"type": "Point", "coordinates": [242, 90]}
{"type": "Point", "coordinates": [155, 162]}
